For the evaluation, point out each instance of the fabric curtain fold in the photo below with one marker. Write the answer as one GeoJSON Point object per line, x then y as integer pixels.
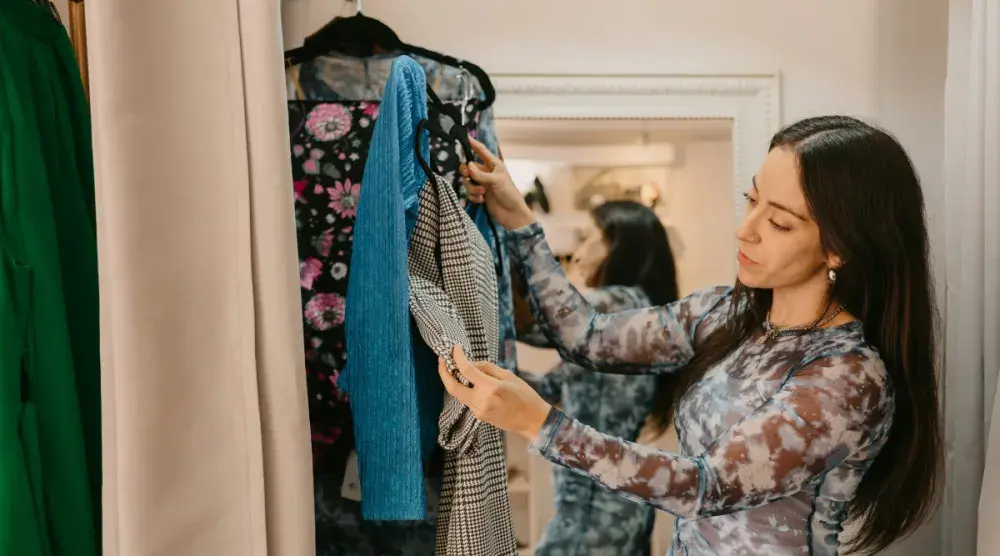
{"type": "Point", "coordinates": [989, 500]}
{"type": "Point", "coordinates": [972, 257]}
{"type": "Point", "coordinates": [206, 437]}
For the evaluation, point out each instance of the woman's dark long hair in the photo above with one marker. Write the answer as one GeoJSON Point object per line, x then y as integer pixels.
{"type": "Point", "coordinates": [865, 196]}
{"type": "Point", "coordinates": [638, 251]}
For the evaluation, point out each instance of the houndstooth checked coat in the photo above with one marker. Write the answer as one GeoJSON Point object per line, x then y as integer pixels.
{"type": "Point", "coordinates": [453, 299]}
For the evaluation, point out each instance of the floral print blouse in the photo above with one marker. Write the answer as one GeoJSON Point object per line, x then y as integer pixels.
{"type": "Point", "coordinates": [774, 439]}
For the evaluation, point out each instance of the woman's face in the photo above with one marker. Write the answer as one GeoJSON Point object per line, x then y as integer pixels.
{"type": "Point", "coordinates": [591, 252]}
{"type": "Point", "coordinates": [779, 242]}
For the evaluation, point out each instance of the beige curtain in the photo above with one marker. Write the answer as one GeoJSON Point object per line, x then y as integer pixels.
{"type": "Point", "coordinates": [989, 500]}
{"type": "Point", "coordinates": [972, 255]}
{"type": "Point", "coordinates": [206, 439]}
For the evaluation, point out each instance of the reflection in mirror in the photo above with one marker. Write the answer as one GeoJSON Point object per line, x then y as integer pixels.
{"type": "Point", "coordinates": [682, 170]}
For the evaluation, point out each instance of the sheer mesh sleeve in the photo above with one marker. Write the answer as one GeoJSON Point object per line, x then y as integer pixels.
{"type": "Point", "coordinates": [608, 299]}
{"type": "Point", "coordinates": [656, 339]}
{"type": "Point", "coordinates": [828, 411]}
{"type": "Point", "coordinates": [603, 300]}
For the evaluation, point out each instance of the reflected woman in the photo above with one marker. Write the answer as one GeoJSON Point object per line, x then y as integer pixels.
{"type": "Point", "coordinates": [803, 397]}
{"type": "Point", "coordinates": [624, 263]}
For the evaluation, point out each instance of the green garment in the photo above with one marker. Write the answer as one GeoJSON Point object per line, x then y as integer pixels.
{"type": "Point", "coordinates": [49, 346]}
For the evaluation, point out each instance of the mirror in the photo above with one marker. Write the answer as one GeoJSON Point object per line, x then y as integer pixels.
{"type": "Point", "coordinates": [680, 168]}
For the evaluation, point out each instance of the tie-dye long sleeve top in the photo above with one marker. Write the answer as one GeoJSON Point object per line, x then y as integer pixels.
{"type": "Point", "coordinates": [774, 439]}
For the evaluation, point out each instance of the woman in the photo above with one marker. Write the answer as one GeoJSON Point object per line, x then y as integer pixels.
{"type": "Point", "coordinates": [803, 397]}
{"type": "Point", "coordinates": [626, 258]}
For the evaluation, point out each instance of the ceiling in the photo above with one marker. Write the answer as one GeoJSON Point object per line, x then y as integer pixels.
{"type": "Point", "coordinates": [578, 132]}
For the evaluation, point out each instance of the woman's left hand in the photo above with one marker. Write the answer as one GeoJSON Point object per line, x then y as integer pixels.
{"type": "Point", "coordinates": [496, 396]}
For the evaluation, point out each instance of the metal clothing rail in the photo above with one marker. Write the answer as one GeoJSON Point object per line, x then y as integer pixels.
{"type": "Point", "coordinates": [78, 36]}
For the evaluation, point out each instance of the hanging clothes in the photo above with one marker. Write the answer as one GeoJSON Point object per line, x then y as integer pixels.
{"type": "Point", "coordinates": [49, 360]}
{"type": "Point", "coordinates": [453, 301]}
{"type": "Point", "coordinates": [333, 104]}
{"type": "Point", "coordinates": [383, 381]}
{"type": "Point", "coordinates": [335, 77]}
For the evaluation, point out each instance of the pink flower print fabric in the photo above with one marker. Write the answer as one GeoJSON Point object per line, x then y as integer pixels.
{"type": "Point", "coordinates": [329, 122]}
{"type": "Point", "coordinates": [323, 242]}
{"type": "Point", "coordinates": [309, 270]}
{"type": "Point", "coordinates": [325, 311]}
{"type": "Point", "coordinates": [327, 151]}
{"type": "Point", "coordinates": [300, 186]}
{"type": "Point", "coordinates": [344, 198]}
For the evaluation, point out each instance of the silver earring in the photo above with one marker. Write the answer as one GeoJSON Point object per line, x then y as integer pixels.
{"type": "Point", "coordinates": [831, 275]}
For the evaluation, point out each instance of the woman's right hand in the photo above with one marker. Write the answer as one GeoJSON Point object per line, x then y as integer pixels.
{"type": "Point", "coordinates": [495, 187]}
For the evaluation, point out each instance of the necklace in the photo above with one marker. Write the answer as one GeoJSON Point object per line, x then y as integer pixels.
{"type": "Point", "coordinates": [771, 331]}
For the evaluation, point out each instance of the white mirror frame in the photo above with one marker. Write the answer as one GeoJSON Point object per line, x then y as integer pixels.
{"type": "Point", "coordinates": [751, 101]}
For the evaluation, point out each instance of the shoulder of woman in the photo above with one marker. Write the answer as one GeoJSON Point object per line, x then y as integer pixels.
{"type": "Point", "coordinates": [859, 368]}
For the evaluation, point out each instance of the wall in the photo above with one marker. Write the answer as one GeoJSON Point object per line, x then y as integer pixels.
{"type": "Point", "coordinates": [881, 60]}
{"type": "Point", "coordinates": [823, 49]}
{"type": "Point", "coordinates": [700, 189]}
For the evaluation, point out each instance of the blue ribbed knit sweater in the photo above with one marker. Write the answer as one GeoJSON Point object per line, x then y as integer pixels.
{"type": "Point", "coordinates": [390, 375]}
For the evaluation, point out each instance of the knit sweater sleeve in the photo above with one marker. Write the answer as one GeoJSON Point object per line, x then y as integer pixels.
{"type": "Point", "coordinates": [380, 373]}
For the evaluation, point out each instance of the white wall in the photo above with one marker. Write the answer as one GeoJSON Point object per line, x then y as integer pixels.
{"type": "Point", "coordinates": [699, 203]}
{"type": "Point", "coordinates": [882, 60]}
{"type": "Point", "coordinates": [823, 49]}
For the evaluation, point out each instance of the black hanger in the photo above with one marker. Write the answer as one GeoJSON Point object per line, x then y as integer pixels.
{"type": "Point", "coordinates": [357, 35]}
{"type": "Point", "coordinates": [362, 36]}
{"type": "Point", "coordinates": [458, 133]}
{"type": "Point", "coordinates": [432, 125]}
{"type": "Point", "coordinates": [434, 129]}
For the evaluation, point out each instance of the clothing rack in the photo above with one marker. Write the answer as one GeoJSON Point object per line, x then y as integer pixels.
{"type": "Point", "coordinates": [78, 36]}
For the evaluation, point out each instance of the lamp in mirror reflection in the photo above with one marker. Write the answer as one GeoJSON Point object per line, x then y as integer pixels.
{"type": "Point", "coordinates": [596, 186]}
